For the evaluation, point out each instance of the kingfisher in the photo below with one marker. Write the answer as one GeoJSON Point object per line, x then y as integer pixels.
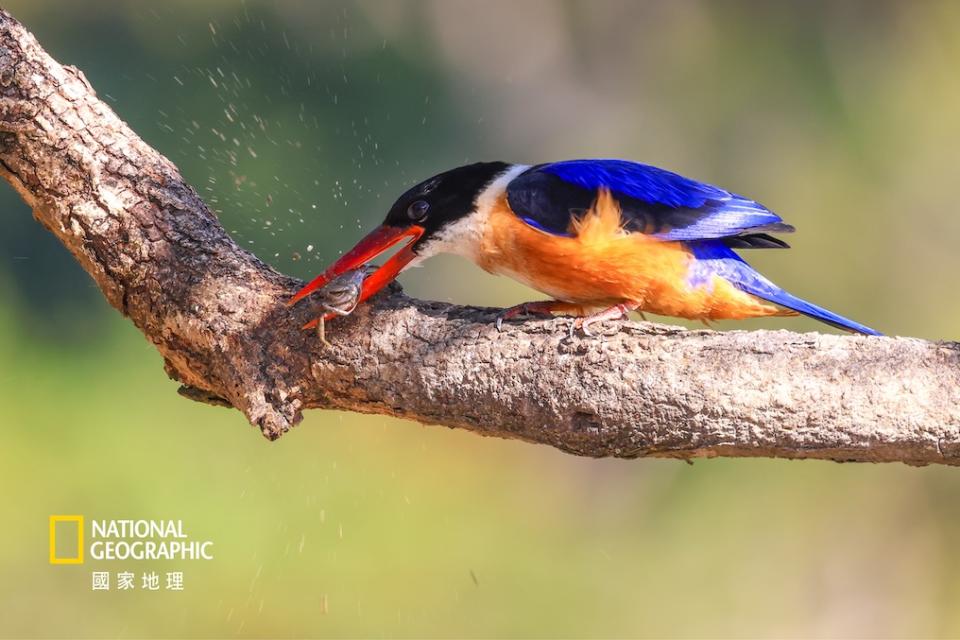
{"type": "Point", "coordinates": [601, 238]}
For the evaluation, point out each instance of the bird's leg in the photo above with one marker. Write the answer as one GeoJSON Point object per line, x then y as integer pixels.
{"type": "Point", "coordinates": [541, 308]}
{"type": "Point", "coordinates": [615, 312]}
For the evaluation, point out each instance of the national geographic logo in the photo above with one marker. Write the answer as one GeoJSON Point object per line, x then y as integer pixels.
{"type": "Point", "coordinates": [123, 540]}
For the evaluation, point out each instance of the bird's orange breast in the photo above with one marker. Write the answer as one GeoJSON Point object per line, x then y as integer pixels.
{"type": "Point", "coordinates": [601, 264]}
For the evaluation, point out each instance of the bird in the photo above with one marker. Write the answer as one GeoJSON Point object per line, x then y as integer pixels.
{"type": "Point", "coordinates": [600, 237]}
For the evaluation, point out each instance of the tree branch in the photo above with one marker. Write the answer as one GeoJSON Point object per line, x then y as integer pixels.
{"type": "Point", "coordinates": [217, 314]}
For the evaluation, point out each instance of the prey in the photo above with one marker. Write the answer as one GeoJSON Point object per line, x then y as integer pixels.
{"type": "Point", "coordinates": [340, 297]}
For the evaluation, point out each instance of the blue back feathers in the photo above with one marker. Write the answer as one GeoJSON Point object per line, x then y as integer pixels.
{"type": "Point", "coordinates": [636, 180]}
{"type": "Point", "coordinates": [702, 210]}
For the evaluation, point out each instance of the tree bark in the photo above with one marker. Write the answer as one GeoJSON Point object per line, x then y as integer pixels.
{"type": "Point", "coordinates": [218, 316]}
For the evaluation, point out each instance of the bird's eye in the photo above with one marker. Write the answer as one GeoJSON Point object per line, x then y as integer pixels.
{"type": "Point", "coordinates": [417, 210]}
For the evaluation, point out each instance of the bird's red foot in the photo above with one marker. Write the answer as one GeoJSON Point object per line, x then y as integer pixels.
{"type": "Point", "coordinates": [543, 308]}
{"type": "Point", "coordinates": [615, 312]}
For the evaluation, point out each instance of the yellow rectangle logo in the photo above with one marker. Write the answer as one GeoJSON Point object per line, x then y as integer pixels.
{"type": "Point", "coordinates": [77, 558]}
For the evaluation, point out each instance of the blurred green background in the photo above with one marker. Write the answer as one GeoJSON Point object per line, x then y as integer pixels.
{"type": "Point", "coordinates": [299, 123]}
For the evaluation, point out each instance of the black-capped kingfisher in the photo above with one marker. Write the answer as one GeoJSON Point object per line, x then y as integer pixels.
{"type": "Point", "coordinates": [601, 238]}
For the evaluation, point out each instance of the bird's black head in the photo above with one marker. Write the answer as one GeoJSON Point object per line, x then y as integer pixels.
{"type": "Point", "coordinates": [417, 216]}
{"type": "Point", "coordinates": [442, 199]}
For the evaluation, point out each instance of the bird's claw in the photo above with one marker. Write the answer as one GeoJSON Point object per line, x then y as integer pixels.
{"type": "Point", "coordinates": [584, 324]}
{"type": "Point", "coordinates": [525, 309]}
{"type": "Point", "coordinates": [616, 312]}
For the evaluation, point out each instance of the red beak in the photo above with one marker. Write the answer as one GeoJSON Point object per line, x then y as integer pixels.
{"type": "Point", "coordinates": [375, 243]}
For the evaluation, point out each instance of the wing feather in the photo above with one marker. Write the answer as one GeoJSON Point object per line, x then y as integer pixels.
{"type": "Point", "coordinates": [654, 201]}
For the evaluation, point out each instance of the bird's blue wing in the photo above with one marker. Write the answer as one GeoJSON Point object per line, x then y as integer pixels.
{"type": "Point", "coordinates": [654, 201]}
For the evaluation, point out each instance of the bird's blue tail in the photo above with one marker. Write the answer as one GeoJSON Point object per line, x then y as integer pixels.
{"type": "Point", "coordinates": [714, 258]}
